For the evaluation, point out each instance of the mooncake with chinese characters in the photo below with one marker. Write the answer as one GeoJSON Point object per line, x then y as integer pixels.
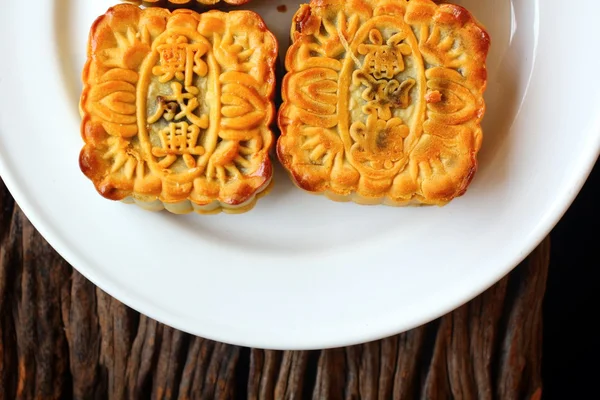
{"type": "Point", "coordinates": [177, 108]}
{"type": "Point", "coordinates": [383, 100]}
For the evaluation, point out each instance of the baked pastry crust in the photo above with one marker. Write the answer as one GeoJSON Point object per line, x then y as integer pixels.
{"type": "Point", "coordinates": [383, 100]}
{"type": "Point", "coordinates": [187, 3]}
{"type": "Point", "coordinates": [177, 108]}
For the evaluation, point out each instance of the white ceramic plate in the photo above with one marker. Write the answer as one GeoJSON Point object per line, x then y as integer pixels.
{"type": "Point", "coordinates": [300, 271]}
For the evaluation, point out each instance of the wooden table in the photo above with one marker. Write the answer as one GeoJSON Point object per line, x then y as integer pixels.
{"type": "Point", "coordinates": [61, 337]}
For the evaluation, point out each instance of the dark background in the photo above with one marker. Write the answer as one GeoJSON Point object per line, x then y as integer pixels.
{"type": "Point", "coordinates": [571, 367]}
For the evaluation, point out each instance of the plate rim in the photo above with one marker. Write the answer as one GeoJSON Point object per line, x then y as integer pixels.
{"type": "Point", "coordinates": [138, 305]}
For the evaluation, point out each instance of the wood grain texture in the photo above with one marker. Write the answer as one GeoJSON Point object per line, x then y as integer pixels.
{"type": "Point", "coordinates": [62, 338]}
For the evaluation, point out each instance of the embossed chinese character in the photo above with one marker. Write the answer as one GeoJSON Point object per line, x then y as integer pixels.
{"type": "Point", "coordinates": [181, 60]}
{"type": "Point", "coordinates": [177, 106]}
{"type": "Point", "coordinates": [179, 139]}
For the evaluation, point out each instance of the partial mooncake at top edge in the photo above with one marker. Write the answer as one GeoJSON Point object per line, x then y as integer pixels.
{"type": "Point", "coordinates": [383, 100]}
{"type": "Point", "coordinates": [177, 108]}
{"type": "Point", "coordinates": [188, 3]}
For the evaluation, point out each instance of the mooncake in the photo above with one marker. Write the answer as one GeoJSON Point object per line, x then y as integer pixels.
{"type": "Point", "coordinates": [383, 101]}
{"type": "Point", "coordinates": [177, 108]}
{"type": "Point", "coordinates": [188, 3]}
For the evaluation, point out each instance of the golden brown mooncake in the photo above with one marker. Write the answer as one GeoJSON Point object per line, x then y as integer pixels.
{"type": "Point", "coordinates": [177, 108]}
{"type": "Point", "coordinates": [383, 100]}
{"type": "Point", "coordinates": [189, 3]}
